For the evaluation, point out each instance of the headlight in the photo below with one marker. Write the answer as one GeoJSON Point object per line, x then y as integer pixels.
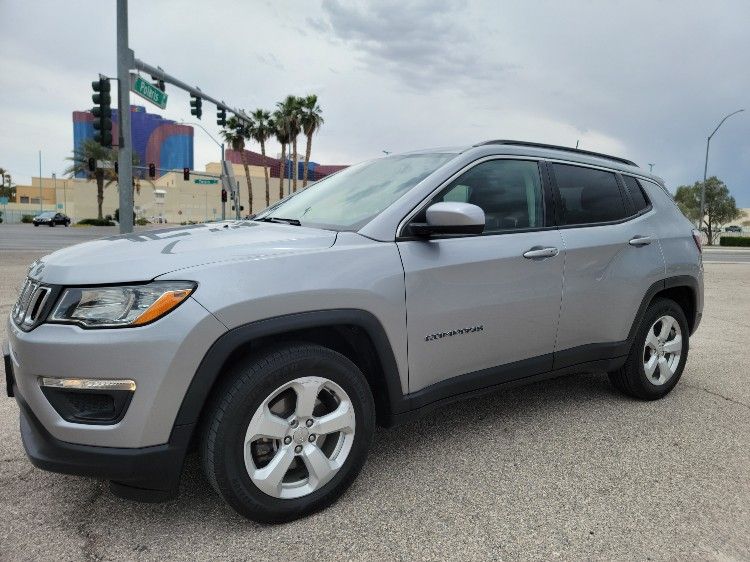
{"type": "Point", "coordinates": [116, 307]}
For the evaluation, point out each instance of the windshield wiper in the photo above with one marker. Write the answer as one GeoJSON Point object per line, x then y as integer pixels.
{"type": "Point", "coordinates": [293, 222]}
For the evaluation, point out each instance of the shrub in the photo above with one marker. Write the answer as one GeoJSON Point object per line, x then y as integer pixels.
{"type": "Point", "coordinates": [96, 222]}
{"type": "Point", "coordinates": [26, 219]}
{"type": "Point", "coordinates": [734, 241]}
{"type": "Point", "coordinates": [142, 222]}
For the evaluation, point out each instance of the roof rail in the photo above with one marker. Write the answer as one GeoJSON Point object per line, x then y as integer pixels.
{"type": "Point", "coordinates": [556, 147]}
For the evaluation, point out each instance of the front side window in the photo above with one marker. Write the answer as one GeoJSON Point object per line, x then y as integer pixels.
{"type": "Point", "coordinates": [588, 195]}
{"type": "Point", "coordinates": [508, 191]}
{"type": "Point", "coordinates": [351, 198]}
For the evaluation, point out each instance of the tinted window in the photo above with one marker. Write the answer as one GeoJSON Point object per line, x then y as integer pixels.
{"type": "Point", "coordinates": [508, 191]}
{"type": "Point", "coordinates": [588, 195]}
{"type": "Point", "coordinates": [636, 193]}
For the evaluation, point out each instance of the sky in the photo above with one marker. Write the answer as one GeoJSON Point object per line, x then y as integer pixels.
{"type": "Point", "coordinates": [647, 80]}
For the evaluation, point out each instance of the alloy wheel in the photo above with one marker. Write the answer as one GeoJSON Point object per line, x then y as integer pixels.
{"type": "Point", "coordinates": [662, 350]}
{"type": "Point", "coordinates": [299, 437]}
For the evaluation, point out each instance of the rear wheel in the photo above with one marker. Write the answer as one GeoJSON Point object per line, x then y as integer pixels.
{"type": "Point", "coordinates": [288, 432]}
{"type": "Point", "coordinates": [658, 354]}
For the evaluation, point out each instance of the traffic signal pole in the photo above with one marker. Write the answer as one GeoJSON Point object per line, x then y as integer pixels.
{"type": "Point", "coordinates": [125, 144]}
{"type": "Point", "coordinates": [126, 61]}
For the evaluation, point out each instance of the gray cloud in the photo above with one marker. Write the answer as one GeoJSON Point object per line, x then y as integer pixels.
{"type": "Point", "coordinates": [425, 44]}
{"type": "Point", "coordinates": [648, 80]}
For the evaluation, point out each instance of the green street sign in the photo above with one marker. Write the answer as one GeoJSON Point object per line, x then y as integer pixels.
{"type": "Point", "coordinates": [204, 181]}
{"type": "Point", "coordinates": [148, 91]}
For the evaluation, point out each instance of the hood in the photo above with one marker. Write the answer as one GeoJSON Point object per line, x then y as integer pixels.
{"type": "Point", "coordinates": [144, 255]}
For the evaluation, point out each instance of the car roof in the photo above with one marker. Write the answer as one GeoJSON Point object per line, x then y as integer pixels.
{"type": "Point", "coordinates": [548, 151]}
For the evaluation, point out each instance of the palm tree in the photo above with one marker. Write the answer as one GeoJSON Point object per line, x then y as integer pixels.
{"type": "Point", "coordinates": [263, 128]}
{"type": "Point", "coordinates": [311, 119]}
{"type": "Point", "coordinates": [80, 164]}
{"type": "Point", "coordinates": [235, 134]}
{"type": "Point", "coordinates": [281, 132]}
{"type": "Point", "coordinates": [290, 109]}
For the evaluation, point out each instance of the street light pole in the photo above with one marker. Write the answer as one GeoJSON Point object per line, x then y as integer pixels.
{"type": "Point", "coordinates": [705, 168]}
{"type": "Point", "coordinates": [41, 196]}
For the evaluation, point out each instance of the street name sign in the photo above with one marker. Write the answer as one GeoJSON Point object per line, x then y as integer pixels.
{"type": "Point", "coordinates": [148, 91]}
{"type": "Point", "coordinates": [205, 181]}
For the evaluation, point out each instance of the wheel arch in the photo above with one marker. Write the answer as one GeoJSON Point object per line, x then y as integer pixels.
{"type": "Point", "coordinates": [682, 289]}
{"type": "Point", "coordinates": [356, 334]}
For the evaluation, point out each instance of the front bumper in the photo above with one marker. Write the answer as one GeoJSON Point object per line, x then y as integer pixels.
{"type": "Point", "coordinates": [161, 358]}
{"type": "Point", "coordinates": [144, 474]}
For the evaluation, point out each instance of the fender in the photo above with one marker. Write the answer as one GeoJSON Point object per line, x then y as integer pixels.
{"type": "Point", "coordinates": [210, 368]}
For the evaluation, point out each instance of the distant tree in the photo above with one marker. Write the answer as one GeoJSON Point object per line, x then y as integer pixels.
{"type": "Point", "coordinates": [720, 206]}
{"type": "Point", "coordinates": [281, 132]}
{"type": "Point", "coordinates": [290, 111]}
{"type": "Point", "coordinates": [263, 128]}
{"type": "Point", "coordinates": [7, 189]}
{"type": "Point", "coordinates": [80, 164]}
{"type": "Point", "coordinates": [235, 134]}
{"type": "Point", "coordinates": [311, 120]}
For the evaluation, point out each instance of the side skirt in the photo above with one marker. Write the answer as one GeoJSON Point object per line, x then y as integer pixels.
{"type": "Point", "coordinates": [591, 359]}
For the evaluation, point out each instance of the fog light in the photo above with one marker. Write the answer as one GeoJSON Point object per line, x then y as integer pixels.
{"type": "Point", "coordinates": [89, 401]}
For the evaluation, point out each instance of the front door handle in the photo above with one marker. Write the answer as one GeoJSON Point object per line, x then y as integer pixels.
{"type": "Point", "coordinates": [640, 241]}
{"type": "Point", "coordinates": [538, 252]}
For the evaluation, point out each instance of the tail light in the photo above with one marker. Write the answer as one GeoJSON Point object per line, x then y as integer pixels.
{"type": "Point", "coordinates": [698, 239]}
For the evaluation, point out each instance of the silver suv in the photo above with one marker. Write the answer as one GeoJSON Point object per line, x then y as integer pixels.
{"type": "Point", "coordinates": [274, 346]}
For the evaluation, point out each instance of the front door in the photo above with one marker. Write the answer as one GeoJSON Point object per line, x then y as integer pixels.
{"type": "Point", "coordinates": [485, 306]}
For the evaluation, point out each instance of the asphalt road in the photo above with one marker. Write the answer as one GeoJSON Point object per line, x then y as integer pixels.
{"type": "Point", "coordinates": [726, 255]}
{"type": "Point", "coordinates": [565, 469]}
{"type": "Point", "coordinates": [26, 237]}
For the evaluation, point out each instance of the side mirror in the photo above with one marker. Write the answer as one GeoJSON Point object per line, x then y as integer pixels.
{"type": "Point", "coordinates": [451, 218]}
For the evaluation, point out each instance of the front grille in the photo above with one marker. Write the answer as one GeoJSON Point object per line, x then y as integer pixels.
{"type": "Point", "coordinates": [30, 304]}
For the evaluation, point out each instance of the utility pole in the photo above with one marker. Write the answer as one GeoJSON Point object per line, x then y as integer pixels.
{"type": "Point", "coordinates": [705, 169]}
{"type": "Point", "coordinates": [125, 144]}
{"type": "Point", "coordinates": [41, 195]}
{"type": "Point", "coordinates": [223, 203]}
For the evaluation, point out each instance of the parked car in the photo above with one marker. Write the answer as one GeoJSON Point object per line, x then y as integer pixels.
{"type": "Point", "coordinates": [51, 218]}
{"type": "Point", "coordinates": [733, 228]}
{"type": "Point", "coordinates": [380, 293]}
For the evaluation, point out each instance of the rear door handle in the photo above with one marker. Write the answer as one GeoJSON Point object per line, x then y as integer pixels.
{"type": "Point", "coordinates": [640, 241]}
{"type": "Point", "coordinates": [538, 252]}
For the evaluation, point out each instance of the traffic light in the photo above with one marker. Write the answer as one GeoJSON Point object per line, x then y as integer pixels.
{"type": "Point", "coordinates": [102, 112]}
{"type": "Point", "coordinates": [186, 174]}
{"type": "Point", "coordinates": [196, 106]}
{"type": "Point", "coordinates": [117, 167]}
{"type": "Point", "coordinates": [159, 83]}
{"type": "Point", "coordinates": [152, 170]}
{"type": "Point", "coordinates": [223, 195]}
{"type": "Point", "coordinates": [221, 117]}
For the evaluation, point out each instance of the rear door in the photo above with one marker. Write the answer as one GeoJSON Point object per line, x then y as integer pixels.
{"type": "Point", "coordinates": [475, 304]}
{"type": "Point", "coordinates": [612, 257]}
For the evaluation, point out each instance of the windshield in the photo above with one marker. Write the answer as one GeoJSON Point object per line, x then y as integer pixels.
{"type": "Point", "coordinates": [352, 197]}
{"type": "Point", "coordinates": [46, 215]}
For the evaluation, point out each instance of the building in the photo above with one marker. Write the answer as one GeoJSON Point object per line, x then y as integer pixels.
{"type": "Point", "coordinates": [156, 140]}
{"type": "Point", "coordinates": [168, 198]}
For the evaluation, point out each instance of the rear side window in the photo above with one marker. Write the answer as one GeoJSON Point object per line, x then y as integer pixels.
{"type": "Point", "coordinates": [636, 193]}
{"type": "Point", "coordinates": [588, 195]}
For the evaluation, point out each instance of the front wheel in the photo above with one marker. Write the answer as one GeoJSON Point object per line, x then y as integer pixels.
{"type": "Point", "coordinates": [658, 354]}
{"type": "Point", "coordinates": [288, 432]}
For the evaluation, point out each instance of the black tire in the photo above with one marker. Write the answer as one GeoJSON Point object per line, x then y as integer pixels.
{"type": "Point", "coordinates": [229, 413]}
{"type": "Point", "coordinates": [51, 224]}
{"type": "Point", "coordinates": [36, 224]}
{"type": "Point", "coordinates": [631, 378]}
